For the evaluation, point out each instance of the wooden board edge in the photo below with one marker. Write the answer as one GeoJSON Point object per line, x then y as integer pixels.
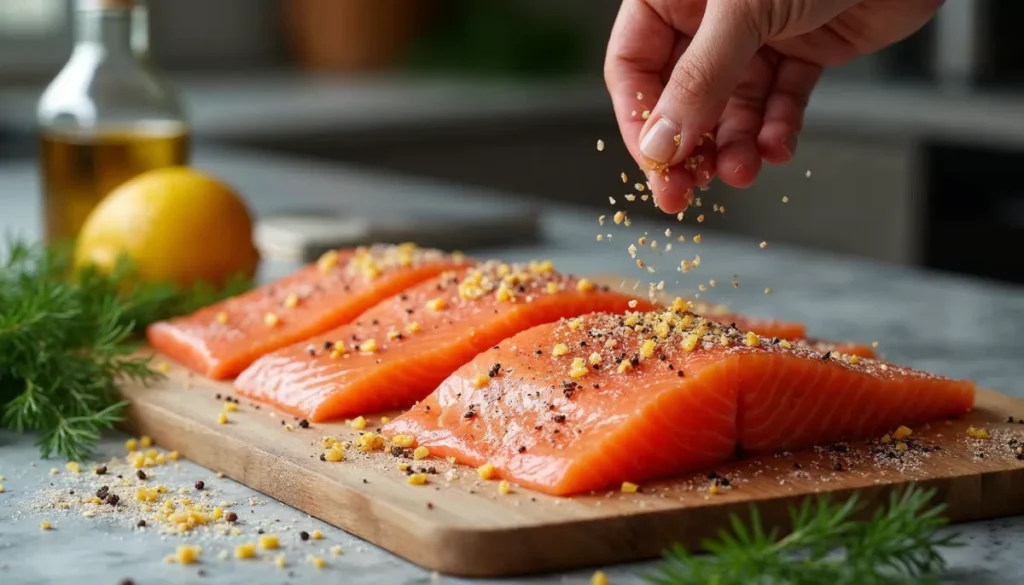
{"type": "Point", "coordinates": [538, 548]}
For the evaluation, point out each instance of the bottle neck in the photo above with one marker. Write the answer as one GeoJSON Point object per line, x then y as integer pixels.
{"type": "Point", "coordinates": [109, 29]}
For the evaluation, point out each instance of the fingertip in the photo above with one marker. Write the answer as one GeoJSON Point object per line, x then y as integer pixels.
{"type": "Point", "coordinates": [777, 145]}
{"type": "Point", "coordinates": [672, 190]}
{"type": "Point", "coordinates": [739, 164]}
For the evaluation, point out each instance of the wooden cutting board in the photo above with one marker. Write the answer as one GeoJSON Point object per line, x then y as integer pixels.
{"type": "Point", "coordinates": [465, 527]}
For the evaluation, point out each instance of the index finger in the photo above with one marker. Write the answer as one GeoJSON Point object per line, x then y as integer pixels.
{"type": "Point", "coordinates": [640, 49]}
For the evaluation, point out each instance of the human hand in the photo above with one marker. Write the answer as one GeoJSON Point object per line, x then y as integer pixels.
{"type": "Point", "coordinates": [729, 80]}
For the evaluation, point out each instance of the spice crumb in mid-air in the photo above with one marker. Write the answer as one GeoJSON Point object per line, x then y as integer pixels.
{"type": "Point", "coordinates": [808, 174]}
{"type": "Point", "coordinates": [785, 199]}
{"type": "Point", "coordinates": [600, 145]}
{"type": "Point", "coordinates": [763, 245]}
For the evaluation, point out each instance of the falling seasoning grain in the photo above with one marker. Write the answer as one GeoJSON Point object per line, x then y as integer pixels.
{"type": "Point", "coordinates": [625, 179]}
{"type": "Point", "coordinates": [647, 114]}
{"type": "Point", "coordinates": [808, 173]}
{"type": "Point", "coordinates": [763, 245]}
{"type": "Point", "coordinates": [768, 290]}
{"type": "Point", "coordinates": [785, 199]}
{"type": "Point", "coordinates": [600, 145]}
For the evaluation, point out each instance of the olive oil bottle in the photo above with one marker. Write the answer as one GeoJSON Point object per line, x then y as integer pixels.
{"type": "Point", "coordinates": [106, 117]}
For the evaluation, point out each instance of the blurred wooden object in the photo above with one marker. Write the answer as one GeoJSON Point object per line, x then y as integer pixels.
{"type": "Point", "coordinates": [351, 35]}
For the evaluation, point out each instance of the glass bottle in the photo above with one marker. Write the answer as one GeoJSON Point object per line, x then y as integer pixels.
{"type": "Point", "coordinates": [106, 117]}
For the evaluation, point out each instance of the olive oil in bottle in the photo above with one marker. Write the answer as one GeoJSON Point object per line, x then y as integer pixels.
{"type": "Point", "coordinates": [106, 117]}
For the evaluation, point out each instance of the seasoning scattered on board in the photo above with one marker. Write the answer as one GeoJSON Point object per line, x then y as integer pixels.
{"type": "Point", "coordinates": [664, 378]}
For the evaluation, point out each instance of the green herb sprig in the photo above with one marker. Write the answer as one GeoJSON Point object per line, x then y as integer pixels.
{"type": "Point", "coordinates": [899, 545]}
{"type": "Point", "coordinates": [67, 339]}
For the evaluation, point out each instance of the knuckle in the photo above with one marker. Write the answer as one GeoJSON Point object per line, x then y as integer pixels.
{"type": "Point", "coordinates": [691, 82]}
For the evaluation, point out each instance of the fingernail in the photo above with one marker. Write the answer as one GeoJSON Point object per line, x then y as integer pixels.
{"type": "Point", "coordinates": [660, 142]}
{"type": "Point", "coordinates": [789, 144]}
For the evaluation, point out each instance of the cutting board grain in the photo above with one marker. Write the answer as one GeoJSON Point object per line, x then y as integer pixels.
{"type": "Point", "coordinates": [465, 527]}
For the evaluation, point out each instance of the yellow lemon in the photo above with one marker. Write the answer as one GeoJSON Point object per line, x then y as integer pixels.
{"type": "Point", "coordinates": [176, 224]}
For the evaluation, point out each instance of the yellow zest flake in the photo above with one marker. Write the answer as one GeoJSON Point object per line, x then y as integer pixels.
{"type": "Point", "coordinates": [481, 381]}
{"type": "Point", "coordinates": [421, 453]}
{"type": "Point", "coordinates": [222, 317]}
{"type": "Point", "coordinates": [368, 346]}
{"type": "Point", "coordinates": [269, 542]}
{"type": "Point", "coordinates": [785, 344]}
{"type": "Point", "coordinates": [417, 479]}
{"type": "Point", "coordinates": [690, 342]}
{"type": "Point", "coordinates": [585, 285]}
{"type": "Point", "coordinates": [74, 467]}
{"type": "Point", "coordinates": [901, 446]}
{"type": "Point", "coordinates": [619, 217]}
{"type": "Point", "coordinates": [393, 334]}
{"type": "Point", "coordinates": [245, 551]}
{"type": "Point", "coordinates": [595, 358]}
{"type": "Point", "coordinates": [370, 442]}
{"type": "Point", "coordinates": [647, 348]}
{"type": "Point", "coordinates": [575, 324]}
{"type": "Point", "coordinates": [144, 494]}
{"type": "Point", "coordinates": [163, 367]}
{"type": "Point", "coordinates": [902, 433]}
{"type": "Point", "coordinates": [552, 287]}
{"type": "Point", "coordinates": [886, 438]}
{"type": "Point", "coordinates": [358, 423]}
{"type": "Point", "coordinates": [222, 418]}
{"type": "Point", "coordinates": [145, 441]}
{"type": "Point", "coordinates": [403, 441]}
{"type": "Point", "coordinates": [437, 304]}
{"type": "Point", "coordinates": [160, 459]}
{"type": "Point", "coordinates": [611, 343]}
{"type": "Point", "coordinates": [559, 349]}
{"type": "Point", "coordinates": [632, 318]}
{"type": "Point", "coordinates": [752, 339]}
{"type": "Point", "coordinates": [291, 301]}
{"type": "Point", "coordinates": [578, 368]}
{"type": "Point", "coordinates": [2, 488]}
{"type": "Point", "coordinates": [336, 550]}
{"type": "Point", "coordinates": [173, 456]}
{"type": "Point", "coordinates": [504, 294]}
{"type": "Point", "coordinates": [854, 360]}
{"type": "Point", "coordinates": [327, 261]}
{"type": "Point", "coordinates": [318, 562]}
{"type": "Point", "coordinates": [280, 561]}
{"type": "Point", "coordinates": [624, 366]}
{"type": "Point", "coordinates": [335, 453]}
{"type": "Point", "coordinates": [337, 350]}
{"type": "Point", "coordinates": [403, 467]}
{"type": "Point", "coordinates": [542, 267]}
{"type": "Point", "coordinates": [328, 441]}
{"type": "Point", "coordinates": [131, 445]}
{"type": "Point", "coordinates": [413, 327]}
{"type": "Point", "coordinates": [504, 488]}
{"type": "Point", "coordinates": [599, 578]}
{"type": "Point", "coordinates": [316, 535]}
{"type": "Point", "coordinates": [629, 487]}
{"type": "Point", "coordinates": [217, 513]}
{"type": "Point", "coordinates": [976, 433]}
{"type": "Point", "coordinates": [271, 320]}
{"type": "Point", "coordinates": [230, 407]}
{"type": "Point", "coordinates": [485, 471]}
{"type": "Point", "coordinates": [289, 427]}
{"type": "Point", "coordinates": [187, 554]}
{"type": "Point", "coordinates": [45, 525]}
{"type": "Point", "coordinates": [714, 490]}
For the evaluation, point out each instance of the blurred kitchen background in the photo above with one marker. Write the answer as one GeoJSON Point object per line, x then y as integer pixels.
{"type": "Point", "coordinates": [913, 152]}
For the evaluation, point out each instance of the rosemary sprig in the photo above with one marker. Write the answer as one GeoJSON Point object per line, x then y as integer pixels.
{"type": "Point", "coordinates": [898, 545]}
{"type": "Point", "coordinates": [66, 340]}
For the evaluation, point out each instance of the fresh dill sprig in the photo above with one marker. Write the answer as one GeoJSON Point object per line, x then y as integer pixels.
{"type": "Point", "coordinates": [67, 338]}
{"type": "Point", "coordinates": [828, 545]}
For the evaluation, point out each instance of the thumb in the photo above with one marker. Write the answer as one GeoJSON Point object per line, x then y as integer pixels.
{"type": "Point", "coordinates": [702, 81]}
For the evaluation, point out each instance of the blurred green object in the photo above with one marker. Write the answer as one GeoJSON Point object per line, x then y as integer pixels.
{"type": "Point", "coordinates": [498, 37]}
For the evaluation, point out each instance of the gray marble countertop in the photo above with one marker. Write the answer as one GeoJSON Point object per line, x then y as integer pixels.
{"type": "Point", "coordinates": [950, 325]}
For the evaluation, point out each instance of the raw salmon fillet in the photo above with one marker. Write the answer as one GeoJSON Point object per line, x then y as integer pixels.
{"type": "Point", "coordinates": [566, 409]}
{"type": "Point", "coordinates": [766, 327]}
{"type": "Point", "coordinates": [221, 340]}
{"type": "Point", "coordinates": [399, 351]}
